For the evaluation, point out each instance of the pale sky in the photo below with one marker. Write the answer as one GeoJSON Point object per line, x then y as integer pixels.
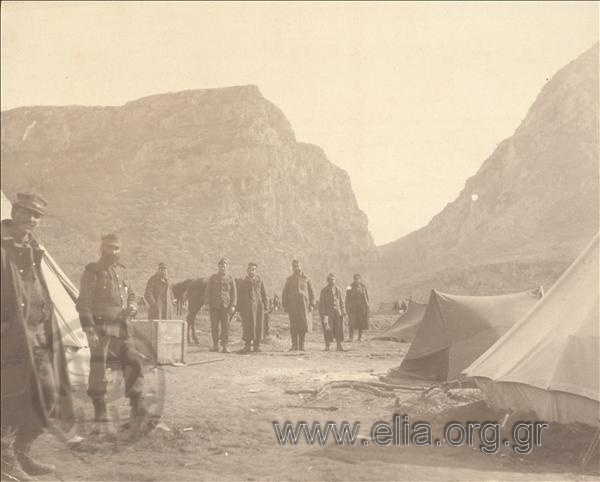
{"type": "Point", "coordinates": [408, 98]}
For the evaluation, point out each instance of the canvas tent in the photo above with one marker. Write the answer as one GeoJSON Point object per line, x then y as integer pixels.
{"type": "Point", "coordinates": [405, 328]}
{"type": "Point", "coordinates": [63, 294]}
{"type": "Point", "coordinates": [549, 361]}
{"type": "Point", "coordinates": [457, 329]}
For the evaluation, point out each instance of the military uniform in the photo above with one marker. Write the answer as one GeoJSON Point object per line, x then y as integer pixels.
{"type": "Point", "coordinates": [331, 305]}
{"type": "Point", "coordinates": [221, 297]}
{"type": "Point", "coordinates": [35, 380]}
{"type": "Point", "coordinates": [297, 300]}
{"type": "Point", "coordinates": [105, 297]}
{"type": "Point", "coordinates": [357, 304]}
{"type": "Point", "coordinates": [158, 296]}
{"type": "Point", "coordinates": [252, 307]}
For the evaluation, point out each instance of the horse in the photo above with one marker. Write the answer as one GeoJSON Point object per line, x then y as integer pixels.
{"type": "Point", "coordinates": [191, 290]}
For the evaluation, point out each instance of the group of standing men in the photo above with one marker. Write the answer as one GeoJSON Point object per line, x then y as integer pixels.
{"type": "Point", "coordinates": [298, 301]}
{"type": "Point", "coordinates": [35, 382]}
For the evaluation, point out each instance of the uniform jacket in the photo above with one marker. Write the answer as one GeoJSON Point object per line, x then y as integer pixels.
{"type": "Point", "coordinates": [105, 292]}
{"type": "Point", "coordinates": [297, 299]}
{"type": "Point", "coordinates": [158, 296]}
{"type": "Point", "coordinates": [252, 297]}
{"type": "Point", "coordinates": [18, 367]}
{"type": "Point", "coordinates": [331, 302]}
{"type": "Point", "coordinates": [220, 292]}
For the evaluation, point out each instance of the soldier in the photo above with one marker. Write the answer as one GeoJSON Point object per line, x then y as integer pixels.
{"type": "Point", "coordinates": [357, 304]}
{"type": "Point", "coordinates": [221, 297]}
{"type": "Point", "coordinates": [35, 380]}
{"type": "Point", "coordinates": [332, 312]}
{"type": "Point", "coordinates": [105, 305]}
{"type": "Point", "coordinates": [252, 306]}
{"type": "Point", "coordinates": [298, 301]}
{"type": "Point", "coordinates": [158, 295]}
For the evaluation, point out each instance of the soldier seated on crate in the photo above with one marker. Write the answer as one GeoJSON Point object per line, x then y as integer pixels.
{"type": "Point", "coordinates": [106, 304]}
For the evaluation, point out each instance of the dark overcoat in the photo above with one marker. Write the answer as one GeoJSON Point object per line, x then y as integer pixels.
{"type": "Point", "coordinates": [357, 306]}
{"type": "Point", "coordinates": [21, 383]}
{"type": "Point", "coordinates": [159, 298]}
{"type": "Point", "coordinates": [297, 300]}
{"type": "Point", "coordinates": [252, 302]}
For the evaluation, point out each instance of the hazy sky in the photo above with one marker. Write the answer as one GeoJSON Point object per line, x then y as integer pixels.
{"type": "Point", "coordinates": [409, 98]}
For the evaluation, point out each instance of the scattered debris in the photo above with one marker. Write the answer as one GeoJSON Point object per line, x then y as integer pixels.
{"type": "Point", "coordinates": [205, 361]}
{"type": "Point", "coordinates": [187, 429]}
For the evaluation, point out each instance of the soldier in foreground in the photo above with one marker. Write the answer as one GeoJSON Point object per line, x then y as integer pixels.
{"type": "Point", "coordinates": [35, 380]}
{"type": "Point", "coordinates": [106, 304]}
{"type": "Point", "coordinates": [298, 300]}
{"type": "Point", "coordinates": [332, 312]}
{"type": "Point", "coordinates": [357, 304]}
{"type": "Point", "coordinates": [252, 306]}
{"type": "Point", "coordinates": [158, 295]}
{"type": "Point", "coordinates": [221, 297]}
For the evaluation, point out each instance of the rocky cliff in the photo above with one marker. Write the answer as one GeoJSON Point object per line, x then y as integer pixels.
{"type": "Point", "coordinates": [186, 178]}
{"type": "Point", "coordinates": [528, 211]}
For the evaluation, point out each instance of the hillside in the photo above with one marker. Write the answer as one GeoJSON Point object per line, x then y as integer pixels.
{"type": "Point", "coordinates": [186, 178]}
{"type": "Point", "coordinates": [536, 203]}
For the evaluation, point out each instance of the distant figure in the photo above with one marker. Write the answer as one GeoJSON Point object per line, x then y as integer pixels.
{"type": "Point", "coordinates": [298, 300]}
{"type": "Point", "coordinates": [332, 312]}
{"type": "Point", "coordinates": [35, 379]}
{"type": "Point", "coordinates": [158, 295]}
{"type": "Point", "coordinates": [221, 297]}
{"type": "Point", "coordinates": [357, 304]}
{"type": "Point", "coordinates": [276, 303]}
{"type": "Point", "coordinates": [252, 305]}
{"type": "Point", "coordinates": [403, 306]}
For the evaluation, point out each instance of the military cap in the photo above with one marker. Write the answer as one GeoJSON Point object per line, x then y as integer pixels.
{"type": "Point", "coordinates": [252, 264]}
{"type": "Point", "coordinates": [162, 266]}
{"type": "Point", "coordinates": [330, 276]}
{"type": "Point", "coordinates": [111, 239]}
{"type": "Point", "coordinates": [33, 202]}
{"type": "Point", "coordinates": [224, 260]}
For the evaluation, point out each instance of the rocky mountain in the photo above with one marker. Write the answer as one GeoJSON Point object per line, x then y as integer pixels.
{"type": "Point", "coordinates": [528, 211]}
{"type": "Point", "coordinates": [186, 178]}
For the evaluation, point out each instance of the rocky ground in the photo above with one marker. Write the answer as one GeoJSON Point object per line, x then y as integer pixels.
{"type": "Point", "coordinates": [217, 422]}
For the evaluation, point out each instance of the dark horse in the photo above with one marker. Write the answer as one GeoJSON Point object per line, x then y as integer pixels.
{"type": "Point", "coordinates": [191, 290]}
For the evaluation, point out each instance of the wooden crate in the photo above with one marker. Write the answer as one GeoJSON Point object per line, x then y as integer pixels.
{"type": "Point", "coordinates": [161, 341]}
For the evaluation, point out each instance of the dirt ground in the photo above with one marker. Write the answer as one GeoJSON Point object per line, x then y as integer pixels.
{"type": "Point", "coordinates": [217, 423]}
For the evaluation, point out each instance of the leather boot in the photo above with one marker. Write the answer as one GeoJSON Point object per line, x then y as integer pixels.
{"type": "Point", "coordinates": [29, 464]}
{"type": "Point", "coordinates": [137, 410]}
{"type": "Point", "coordinates": [256, 346]}
{"type": "Point", "coordinates": [301, 341]}
{"type": "Point", "coordinates": [100, 414]}
{"type": "Point", "coordinates": [11, 467]}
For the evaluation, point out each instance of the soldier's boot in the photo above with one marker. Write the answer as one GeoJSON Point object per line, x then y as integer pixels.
{"type": "Point", "coordinates": [256, 346]}
{"type": "Point", "coordinates": [247, 348]}
{"type": "Point", "coordinates": [28, 463]}
{"type": "Point", "coordinates": [224, 349]}
{"type": "Point", "coordinates": [326, 346]}
{"type": "Point", "coordinates": [294, 343]}
{"type": "Point", "coordinates": [339, 347]}
{"type": "Point", "coordinates": [301, 341]}
{"type": "Point", "coordinates": [100, 414]}
{"type": "Point", "coordinates": [11, 467]}
{"type": "Point", "coordinates": [214, 348]}
{"type": "Point", "coordinates": [137, 410]}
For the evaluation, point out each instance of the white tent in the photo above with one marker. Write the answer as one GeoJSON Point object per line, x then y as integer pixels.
{"type": "Point", "coordinates": [549, 362]}
{"type": "Point", "coordinates": [63, 294]}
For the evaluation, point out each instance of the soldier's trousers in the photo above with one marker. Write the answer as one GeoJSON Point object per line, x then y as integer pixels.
{"type": "Point", "coordinates": [219, 317]}
{"type": "Point", "coordinates": [124, 350]}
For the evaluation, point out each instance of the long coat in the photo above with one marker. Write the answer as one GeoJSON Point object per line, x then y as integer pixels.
{"type": "Point", "coordinates": [297, 299]}
{"type": "Point", "coordinates": [357, 306]}
{"type": "Point", "coordinates": [159, 298]}
{"type": "Point", "coordinates": [252, 302]}
{"type": "Point", "coordinates": [23, 399]}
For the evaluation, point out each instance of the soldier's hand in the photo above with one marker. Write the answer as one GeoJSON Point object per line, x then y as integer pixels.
{"type": "Point", "coordinates": [92, 338]}
{"type": "Point", "coordinates": [232, 310]}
